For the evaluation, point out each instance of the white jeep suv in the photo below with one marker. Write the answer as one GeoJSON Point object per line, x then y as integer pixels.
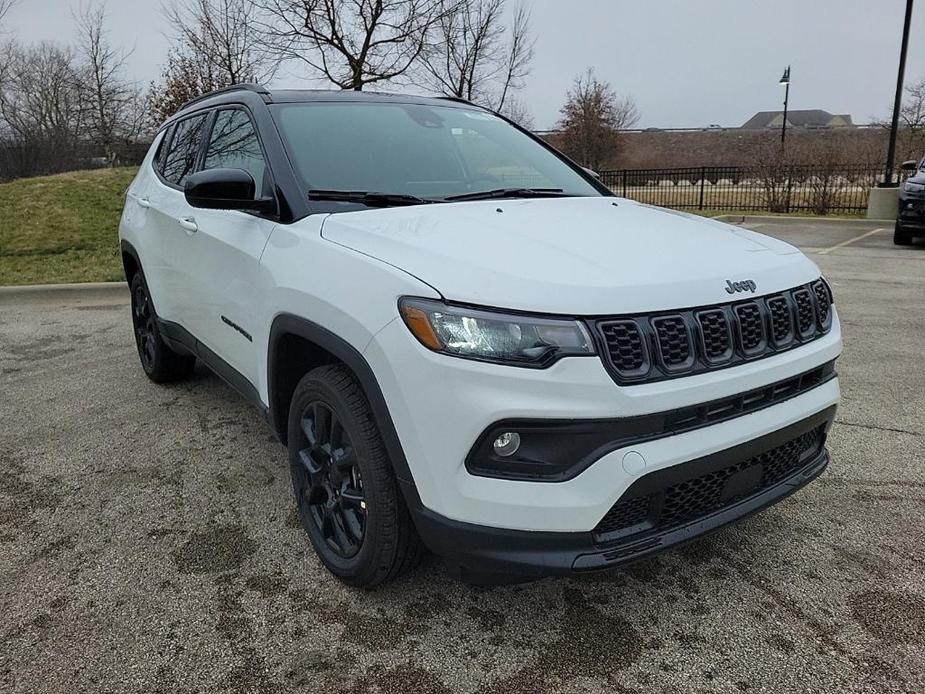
{"type": "Point", "coordinates": [466, 341]}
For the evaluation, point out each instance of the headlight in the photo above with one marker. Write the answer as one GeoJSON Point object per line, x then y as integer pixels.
{"type": "Point", "coordinates": [487, 335]}
{"type": "Point", "coordinates": [911, 187]}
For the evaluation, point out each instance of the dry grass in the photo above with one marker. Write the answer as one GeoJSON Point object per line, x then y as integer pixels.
{"type": "Point", "coordinates": [62, 228]}
{"type": "Point", "coordinates": [729, 198]}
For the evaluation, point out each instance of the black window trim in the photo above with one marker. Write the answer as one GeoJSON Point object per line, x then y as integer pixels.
{"type": "Point", "coordinates": [173, 129]}
{"type": "Point", "coordinates": [263, 149]}
{"type": "Point", "coordinates": [163, 146]}
{"type": "Point", "coordinates": [211, 113]}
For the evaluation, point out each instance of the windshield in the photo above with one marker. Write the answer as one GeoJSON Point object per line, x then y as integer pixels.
{"type": "Point", "coordinates": [430, 152]}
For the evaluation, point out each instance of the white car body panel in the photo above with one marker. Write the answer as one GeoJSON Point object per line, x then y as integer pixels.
{"type": "Point", "coordinates": [222, 261]}
{"type": "Point", "coordinates": [577, 256]}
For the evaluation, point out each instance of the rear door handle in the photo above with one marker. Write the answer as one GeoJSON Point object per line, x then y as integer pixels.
{"type": "Point", "coordinates": [189, 224]}
{"type": "Point", "coordinates": [143, 202]}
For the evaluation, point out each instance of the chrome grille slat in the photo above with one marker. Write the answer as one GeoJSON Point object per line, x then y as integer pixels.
{"type": "Point", "coordinates": [644, 348]}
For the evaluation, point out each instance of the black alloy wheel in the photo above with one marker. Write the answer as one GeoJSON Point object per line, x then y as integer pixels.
{"type": "Point", "coordinates": [346, 493]}
{"type": "Point", "coordinates": [329, 486]}
{"type": "Point", "coordinates": [143, 320]}
{"type": "Point", "coordinates": [160, 362]}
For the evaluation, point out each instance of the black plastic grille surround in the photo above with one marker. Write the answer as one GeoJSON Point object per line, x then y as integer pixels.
{"type": "Point", "coordinates": [781, 317]}
{"type": "Point", "coordinates": [823, 303]}
{"type": "Point", "coordinates": [625, 347]}
{"type": "Point", "coordinates": [644, 348]}
{"type": "Point", "coordinates": [691, 499]}
{"type": "Point", "coordinates": [806, 313]}
{"type": "Point", "coordinates": [715, 334]}
{"type": "Point", "coordinates": [554, 450]}
{"type": "Point", "coordinates": [673, 341]}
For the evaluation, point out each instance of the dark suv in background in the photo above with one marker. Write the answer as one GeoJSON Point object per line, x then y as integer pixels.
{"type": "Point", "coordinates": [910, 221]}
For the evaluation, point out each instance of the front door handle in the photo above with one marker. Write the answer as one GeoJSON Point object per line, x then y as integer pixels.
{"type": "Point", "coordinates": [143, 202]}
{"type": "Point", "coordinates": [189, 224]}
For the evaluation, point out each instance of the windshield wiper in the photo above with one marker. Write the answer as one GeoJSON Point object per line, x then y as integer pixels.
{"type": "Point", "coordinates": [511, 193]}
{"type": "Point", "coordinates": [370, 198]}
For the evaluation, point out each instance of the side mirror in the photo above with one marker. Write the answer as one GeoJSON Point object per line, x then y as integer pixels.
{"type": "Point", "coordinates": [592, 172]}
{"type": "Point", "coordinates": [225, 189]}
{"type": "Point", "coordinates": [909, 165]}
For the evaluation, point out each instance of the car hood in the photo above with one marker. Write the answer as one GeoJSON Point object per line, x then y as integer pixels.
{"type": "Point", "coordinates": [578, 256]}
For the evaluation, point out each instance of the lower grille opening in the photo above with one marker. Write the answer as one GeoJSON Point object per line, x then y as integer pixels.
{"type": "Point", "coordinates": [687, 500]}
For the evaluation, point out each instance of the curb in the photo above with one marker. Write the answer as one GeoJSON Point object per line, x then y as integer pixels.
{"type": "Point", "coordinates": [116, 292]}
{"type": "Point", "coordinates": [783, 219]}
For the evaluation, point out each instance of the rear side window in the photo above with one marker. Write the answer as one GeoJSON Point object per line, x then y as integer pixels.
{"type": "Point", "coordinates": [180, 160]}
{"type": "Point", "coordinates": [161, 152]}
{"type": "Point", "coordinates": [234, 145]}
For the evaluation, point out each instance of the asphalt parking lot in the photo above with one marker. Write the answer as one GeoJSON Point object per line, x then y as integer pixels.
{"type": "Point", "coordinates": [148, 542]}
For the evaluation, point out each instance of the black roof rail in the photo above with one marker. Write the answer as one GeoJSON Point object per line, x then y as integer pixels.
{"type": "Point", "coordinates": [459, 100]}
{"type": "Point", "coordinates": [244, 86]}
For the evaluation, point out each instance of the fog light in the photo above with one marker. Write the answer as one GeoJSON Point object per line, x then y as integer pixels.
{"type": "Point", "coordinates": [507, 444]}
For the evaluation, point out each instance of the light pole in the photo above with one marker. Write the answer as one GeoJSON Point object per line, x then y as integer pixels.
{"type": "Point", "coordinates": [785, 80]}
{"type": "Point", "coordinates": [897, 102]}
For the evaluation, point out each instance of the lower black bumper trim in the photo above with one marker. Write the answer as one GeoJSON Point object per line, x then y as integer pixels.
{"type": "Point", "coordinates": [487, 554]}
{"type": "Point", "coordinates": [671, 538]}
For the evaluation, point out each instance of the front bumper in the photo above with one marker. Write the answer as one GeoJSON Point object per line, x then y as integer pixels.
{"type": "Point", "coordinates": [911, 213]}
{"type": "Point", "coordinates": [485, 554]}
{"type": "Point", "coordinates": [440, 407]}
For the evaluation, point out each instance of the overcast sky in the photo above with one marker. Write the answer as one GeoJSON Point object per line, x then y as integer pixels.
{"type": "Point", "coordinates": [688, 63]}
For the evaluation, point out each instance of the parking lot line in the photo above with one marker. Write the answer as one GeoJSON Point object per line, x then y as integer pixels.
{"type": "Point", "coordinates": [850, 241]}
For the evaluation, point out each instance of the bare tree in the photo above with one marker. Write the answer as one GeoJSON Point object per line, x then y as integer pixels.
{"type": "Point", "coordinates": [352, 43]}
{"type": "Point", "coordinates": [516, 110]}
{"type": "Point", "coordinates": [226, 33]}
{"type": "Point", "coordinates": [6, 47]}
{"type": "Point", "coordinates": [187, 75]}
{"type": "Point", "coordinates": [473, 56]}
{"type": "Point", "coordinates": [41, 116]}
{"type": "Point", "coordinates": [110, 101]}
{"type": "Point", "coordinates": [591, 119]}
{"type": "Point", "coordinates": [40, 97]}
{"type": "Point", "coordinates": [912, 118]}
{"type": "Point", "coordinates": [6, 6]}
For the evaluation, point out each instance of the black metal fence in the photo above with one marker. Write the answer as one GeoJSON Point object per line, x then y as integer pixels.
{"type": "Point", "coordinates": [816, 190]}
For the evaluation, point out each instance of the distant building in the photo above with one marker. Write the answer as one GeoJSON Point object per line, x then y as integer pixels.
{"type": "Point", "coordinates": [807, 118]}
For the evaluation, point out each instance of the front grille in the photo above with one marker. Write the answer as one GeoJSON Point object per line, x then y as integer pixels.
{"type": "Point", "coordinates": [823, 302]}
{"type": "Point", "coordinates": [626, 348]}
{"type": "Point", "coordinates": [751, 328]}
{"type": "Point", "coordinates": [667, 345]}
{"type": "Point", "coordinates": [806, 313]}
{"type": "Point", "coordinates": [715, 335]}
{"type": "Point", "coordinates": [674, 342]}
{"type": "Point", "coordinates": [781, 321]}
{"type": "Point", "coordinates": [689, 499]}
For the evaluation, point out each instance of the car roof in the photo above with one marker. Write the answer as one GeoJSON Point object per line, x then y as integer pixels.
{"type": "Point", "coordinates": [251, 93]}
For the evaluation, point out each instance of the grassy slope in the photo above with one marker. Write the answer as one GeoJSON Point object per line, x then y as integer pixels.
{"type": "Point", "coordinates": [62, 228]}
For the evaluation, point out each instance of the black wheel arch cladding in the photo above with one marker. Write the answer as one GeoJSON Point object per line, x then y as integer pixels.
{"type": "Point", "coordinates": [282, 380]}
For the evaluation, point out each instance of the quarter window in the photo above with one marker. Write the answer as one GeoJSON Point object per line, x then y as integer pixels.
{"type": "Point", "coordinates": [234, 145]}
{"type": "Point", "coordinates": [181, 157]}
{"type": "Point", "coordinates": [161, 152]}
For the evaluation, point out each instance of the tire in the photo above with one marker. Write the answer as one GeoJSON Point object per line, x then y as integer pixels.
{"type": "Point", "coordinates": [346, 493]}
{"type": "Point", "coordinates": [900, 237]}
{"type": "Point", "coordinates": [160, 363]}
